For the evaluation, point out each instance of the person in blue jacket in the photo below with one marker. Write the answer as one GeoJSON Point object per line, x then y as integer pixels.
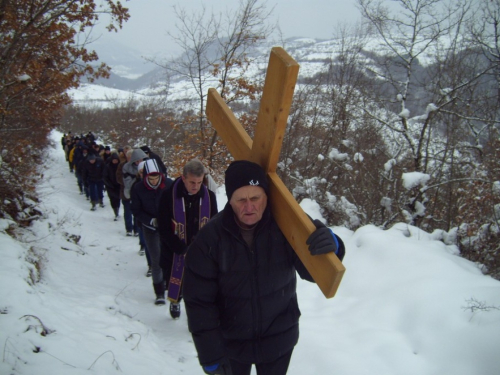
{"type": "Point", "coordinates": [240, 281]}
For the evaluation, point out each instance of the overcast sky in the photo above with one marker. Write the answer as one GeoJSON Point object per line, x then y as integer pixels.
{"type": "Point", "coordinates": [150, 20]}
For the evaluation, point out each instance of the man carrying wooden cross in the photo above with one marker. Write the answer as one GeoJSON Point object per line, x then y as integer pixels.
{"type": "Point", "coordinates": [240, 281]}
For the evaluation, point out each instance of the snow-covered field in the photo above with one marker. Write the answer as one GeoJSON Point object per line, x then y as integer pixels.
{"type": "Point", "coordinates": [408, 304]}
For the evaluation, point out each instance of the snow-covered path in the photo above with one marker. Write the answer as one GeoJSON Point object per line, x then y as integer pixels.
{"type": "Point", "coordinates": [401, 307]}
{"type": "Point", "coordinates": [101, 284]}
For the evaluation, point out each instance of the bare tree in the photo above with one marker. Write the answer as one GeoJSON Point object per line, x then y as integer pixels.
{"type": "Point", "coordinates": [197, 33]}
{"type": "Point", "coordinates": [485, 33]}
{"type": "Point", "coordinates": [41, 58]}
{"type": "Point", "coordinates": [331, 149]}
{"type": "Point", "coordinates": [239, 32]}
{"type": "Point", "coordinates": [216, 54]}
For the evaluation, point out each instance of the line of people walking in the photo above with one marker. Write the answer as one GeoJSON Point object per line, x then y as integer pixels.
{"type": "Point", "coordinates": [137, 180]}
{"type": "Point", "coordinates": [235, 270]}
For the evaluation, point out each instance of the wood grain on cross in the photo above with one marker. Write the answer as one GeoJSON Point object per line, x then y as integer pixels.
{"type": "Point", "coordinates": [281, 77]}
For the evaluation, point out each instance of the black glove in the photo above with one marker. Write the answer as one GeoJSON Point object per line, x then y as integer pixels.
{"type": "Point", "coordinates": [222, 368]}
{"type": "Point", "coordinates": [322, 240]}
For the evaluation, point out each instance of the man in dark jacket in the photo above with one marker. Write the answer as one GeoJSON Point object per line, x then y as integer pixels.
{"type": "Point", "coordinates": [112, 185]}
{"type": "Point", "coordinates": [183, 210]}
{"type": "Point", "coordinates": [79, 159]}
{"type": "Point", "coordinates": [240, 281]}
{"type": "Point", "coordinates": [92, 172]}
{"type": "Point", "coordinates": [145, 197]}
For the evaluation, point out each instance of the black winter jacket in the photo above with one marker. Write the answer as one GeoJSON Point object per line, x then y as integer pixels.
{"type": "Point", "coordinates": [109, 176]}
{"type": "Point", "coordinates": [78, 158]}
{"type": "Point", "coordinates": [92, 172]}
{"type": "Point", "coordinates": [171, 243]}
{"type": "Point", "coordinates": [145, 199]}
{"type": "Point", "coordinates": [241, 302]}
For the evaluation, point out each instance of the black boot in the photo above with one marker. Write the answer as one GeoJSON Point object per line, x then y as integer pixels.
{"type": "Point", "coordinates": [116, 210]}
{"type": "Point", "coordinates": [160, 293]}
{"type": "Point", "coordinates": [175, 310]}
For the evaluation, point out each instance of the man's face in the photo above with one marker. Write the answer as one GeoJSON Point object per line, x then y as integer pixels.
{"type": "Point", "coordinates": [115, 161]}
{"type": "Point", "coordinates": [192, 183]}
{"type": "Point", "coordinates": [92, 161]}
{"type": "Point", "coordinates": [248, 203]}
{"type": "Point", "coordinates": [154, 179]}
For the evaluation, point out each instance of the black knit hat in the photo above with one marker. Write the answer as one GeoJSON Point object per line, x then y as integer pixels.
{"type": "Point", "coordinates": [242, 173]}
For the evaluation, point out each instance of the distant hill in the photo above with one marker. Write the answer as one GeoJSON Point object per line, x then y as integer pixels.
{"type": "Point", "coordinates": [131, 72]}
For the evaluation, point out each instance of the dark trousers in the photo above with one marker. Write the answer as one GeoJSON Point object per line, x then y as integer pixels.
{"type": "Point", "coordinates": [127, 216]}
{"type": "Point", "coordinates": [277, 367]}
{"type": "Point", "coordinates": [96, 191]}
{"type": "Point", "coordinates": [79, 181]}
{"type": "Point", "coordinates": [114, 199]}
{"type": "Point", "coordinates": [152, 238]}
{"type": "Point", "coordinates": [142, 243]}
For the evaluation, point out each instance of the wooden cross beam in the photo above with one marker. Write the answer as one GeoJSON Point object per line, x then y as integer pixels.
{"type": "Point", "coordinates": [281, 77]}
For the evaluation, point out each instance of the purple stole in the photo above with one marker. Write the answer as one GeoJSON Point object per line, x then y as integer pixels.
{"type": "Point", "coordinates": [179, 226]}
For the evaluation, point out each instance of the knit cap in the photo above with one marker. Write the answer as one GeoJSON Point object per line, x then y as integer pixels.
{"type": "Point", "coordinates": [150, 166]}
{"type": "Point", "coordinates": [242, 173]}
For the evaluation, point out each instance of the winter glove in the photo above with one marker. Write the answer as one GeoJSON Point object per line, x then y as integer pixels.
{"type": "Point", "coordinates": [181, 249]}
{"type": "Point", "coordinates": [222, 368]}
{"type": "Point", "coordinates": [322, 240]}
{"type": "Point", "coordinates": [154, 222]}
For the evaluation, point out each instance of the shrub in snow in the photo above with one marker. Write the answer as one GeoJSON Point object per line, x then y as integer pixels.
{"type": "Point", "coordinates": [336, 155]}
{"type": "Point", "coordinates": [390, 163]}
{"type": "Point", "coordinates": [414, 179]}
{"type": "Point", "coordinates": [405, 113]}
{"type": "Point", "coordinates": [386, 203]}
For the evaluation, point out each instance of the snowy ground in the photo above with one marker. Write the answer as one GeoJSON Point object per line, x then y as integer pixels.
{"type": "Point", "coordinates": [407, 304]}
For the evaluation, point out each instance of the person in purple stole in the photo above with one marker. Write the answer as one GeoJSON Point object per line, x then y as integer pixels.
{"type": "Point", "coordinates": [240, 281]}
{"type": "Point", "coordinates": [183, 209]}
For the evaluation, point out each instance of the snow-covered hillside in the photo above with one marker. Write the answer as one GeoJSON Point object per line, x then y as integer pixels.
{"type": "Point", "coordinates": [311, 54]}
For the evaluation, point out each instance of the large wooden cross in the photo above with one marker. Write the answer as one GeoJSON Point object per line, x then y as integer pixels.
{"type": "Point", "coordinates": [281, 77]}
